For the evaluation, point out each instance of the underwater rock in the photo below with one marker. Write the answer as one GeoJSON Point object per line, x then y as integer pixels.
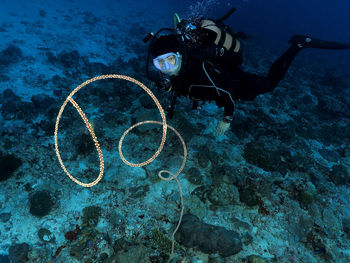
{"type": "Point", "coordinates": [4, 259]}
{"type": "Point", "coordinates": [161, 241]}
{"type": "Point", "coordinates": [346, 226]}
{"type": "Point", "coordinates": [339, 175]}
{"type": "Point", "coordinates": [137, 30]}
{"type": "Point", "coordinates": [48, 126]}
{"type": "Point", "coordinates": [136, 63]}
{"type": "Point", "coordinates": [42, 101]}
{"type": "Point", "coordinates": [300, 229]}
{"type": "Point", "coordinates": [308, 195]}
{"type": "Point", "coordinates": [69, 59]}
{"type": "Point", "coordinates": [4, 217]}
{"type": "Point", "coordinates": [270, 160]}
{"type": "Point", "coordinates": [42, 13]}
{"type": "Point", "coordinates": [224, 173]}
{"type": "Point", "coordinates": [248, 196]}
{"type": "Point", "coordinates": [139, 191]}
{"type": "Point", "coordinates": [41, 203]}
{"type": "Point", "coordinates": [61, 83]}
{"type": "Point", "coordinates": [200, 258]}
{"type": "Point", "coordinates": [317, 242]}
{"type": "Point", "coordinates": [13, 107]}
{"type": "Point", "coordinates": [84, 144]}
{"type": "Point", "coordinates": [121, 244]}
{"type": "Point", "coordinates": [202, 159]}
{"type": "Point", "coordinates": [205, 157]}
{"type": "Point", "coordinates": [97, 68]}
{"type": "Point", "coordinates": [51, 58]}
{"type": "Point", "coordinates": [4, 78]}
{"type": "Point", "coordinates": [18, 253]}
{"type": "Point", "coordinates": [257, 122]}
{"type": "Point", "coordinates": [91, 215]}
{"type": "Point", "coordinates": [256, 259]}
{"type": "Point", "coordinates": [333, 105]}
{"type": "Point", "coordinates": [340, 133]}
{"type": "Point", "coordinates": [223, 195]}
{"type": "Point", "coordinates": [9, 163]}
{"type": "Point", "coordinates": [147, 102]}
{"type": "Point", "coordinates": [208, 238]}
{"type": "Point", "coordinates": [194, 176]}
{"type": "Point", "coordinates": [46, 236]}
{"type": "Point", "coordinates": [10, 55]}
{"type": "Point", "coordinates": [144, 115]}
{"type": "Point", "coordinates": [9, 95]}
{"type": "Point", "coordinates": [184, 127]}
{"type": "Point", "coordinates": [331, 156]}
{"type": "Point", "coordinates": [89, 18]}
{"type": "Point", "coordinates": [116, 218]}
{"type": "Point", "coordinates": [137, 254]}
{"type": "Point", "coordinates": [239, 128]}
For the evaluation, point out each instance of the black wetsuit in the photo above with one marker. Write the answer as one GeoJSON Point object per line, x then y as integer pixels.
{"type": "Point", "coordinates": [193, 80]}
{"type": "Point", "coordinates": [208, 67]}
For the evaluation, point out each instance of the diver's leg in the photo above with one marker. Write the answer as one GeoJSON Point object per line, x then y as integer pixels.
{"type": "Point", "coordinates": [248, 85]}
{"type": "Point", "coordinates": [299, 42]}
{"type": "Point", "coordinates": [279, 68]}
{"type": "Point", "coordinates": [304, 41]}
{"type": "Point", "coordinates": [251, 85]}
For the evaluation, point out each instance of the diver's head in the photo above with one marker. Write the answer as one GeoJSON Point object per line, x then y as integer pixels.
{"type": "Point", "coordinates": [165, 51]}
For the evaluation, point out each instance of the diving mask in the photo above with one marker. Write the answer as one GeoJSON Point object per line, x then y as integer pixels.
{"type": "Point", "coordinates": [169, 63]}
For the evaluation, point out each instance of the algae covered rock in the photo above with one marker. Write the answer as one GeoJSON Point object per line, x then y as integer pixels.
{"type": "Point", "coordinates": [91, 215]}
{"type": "Point", "coordinates": [248, 196]}
{"type": "Point", "coordinates": [194, 176]}
{"type": "Point", "coordinates": [135, 254]}
{"type": "Point", "coordinates": [208, 238]}
{"type": "Point", "coordinates": [46, 236]}
{"type": "Point", "coordinates": [339, 175]}
{"type": "Point", "coordinates": [308, 195]}
{"type": "Point", "coordinates": [256, 259]}
{"type": "Point", "coordinates": [223, 194]}
{"type": "Point", "coordinates": [202, 159]}
{"type": "Point", "coordinates": [18, 253]}
{"type": "Point", "coordinates": [270, 159]}
{"type": "Point", "coordinates": [11, 54]}
{"type": "Point", "coordinates": [9, 163]}
{"type": "Point", "coordinates": [41, 203]}
{"type": "Point", "coordinates": [161, 241]}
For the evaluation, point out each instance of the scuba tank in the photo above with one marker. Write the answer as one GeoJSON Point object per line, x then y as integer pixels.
{"type": "Point", "coordinates": [200, 30]}
{"type": "Point", "coordinates": [211, 31]}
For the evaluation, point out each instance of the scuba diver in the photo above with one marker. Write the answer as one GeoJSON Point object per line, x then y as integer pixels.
{"type": "Point", "coordinates": [200, 58]}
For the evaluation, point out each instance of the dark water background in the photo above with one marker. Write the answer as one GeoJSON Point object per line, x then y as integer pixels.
{"type": "Point", "coordinates": [270, 21]}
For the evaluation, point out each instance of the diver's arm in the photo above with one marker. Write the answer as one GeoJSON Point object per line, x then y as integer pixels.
{"type": "Point", "coordinates": [170, 108]}
{"type": "Point", "coordinates": [229, 108]}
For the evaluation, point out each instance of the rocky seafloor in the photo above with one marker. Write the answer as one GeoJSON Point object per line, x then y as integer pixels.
{"type": "Point", "coordinates": [275, 188]}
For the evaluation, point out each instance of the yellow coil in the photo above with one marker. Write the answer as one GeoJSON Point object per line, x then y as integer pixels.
{"type": "Point", "coordinates": [89, 127]}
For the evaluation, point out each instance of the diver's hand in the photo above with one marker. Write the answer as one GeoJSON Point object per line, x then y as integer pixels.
{"type": "Point", "coordinates": [223, 125]}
